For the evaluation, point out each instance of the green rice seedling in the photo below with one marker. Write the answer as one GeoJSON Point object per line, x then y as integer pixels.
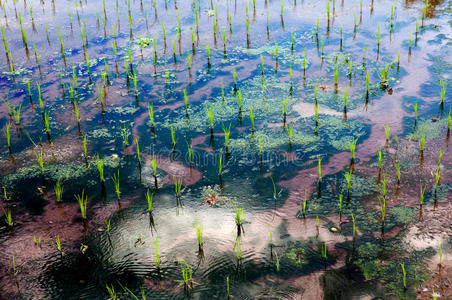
{"type": "Point", "coordinates": [186, 102]}
{"type": "Point", "coordinates": [5, 43]}
{"type": "Point", "coordinates": [234, 76]}
{"type": "Point", "coordinates": [77, 113]}
{"type": "Point", "coordinates": [336, 74]}
{"type": "Point", "coordinates": [437, 177]}
{"type": "Point", "coordinates": [442, 83]}
{"type": "Point", "coordinates": [378, 37]}
{"type": "Point", "coordinates": [138, 151]}
{"type": "Point", "coordinates": [322, 44]}
{"type": "Point", "coordinates": [191, 155]}
{"type": "Point", "coordinates": [115, 179]}
{"type": "Point", "coordinates": [8, 217]}
{"type": "Point", "coordinates": [403, 275]}
{"type": "Point", "coordinates": [449, 121]}
{"type": "Point", "coordinates": [316, 115]}
{"type": "Point", "coordinates": [151, 114]}
{"type": "Point", "coordinates": [36, 55]}
{"type": "Point", "coordinates": [154, 164]}
{"type": "Point", "coordinates": [220, 162]}
{"type": "Point", "coordinates": [58, 245]}
{"type": "Point", "coordinates": [341, 41]}
{"type": "Point", "coordinates": [267, 22]}
{"type": "Point", "coordinates": [15, 270]}
{"type": "Point", "coordinates": [173, 138]}
{"type": "Point", "coordinates": [188, 60]}
{"type": "Point", "coordinates": [319, 167]}
{"type": "Point", "coordinates": [7, 131]}
{"type": "Point", "coordinates": [340, 204]}
{"type": "Point", "coordinates": [29, 88]}
{"type": "Point", "coordinates": [440, 253]}
{"type": "Point", "coordinates": [277, 260]}
{"type": "Point", "coordinates": [421, 194]}
{"type": "Point", "coordinates": [317, 29]}
{"type": "Point", "coordinates": [47, 122]}
{"type": "Point", "coordinates": [238, 215]}
{"type": "Point", "coordinates": [397, 166]}
{"type": "Point", "coordinates": [352, 145]}
{"type": "Point", "coordinates": [303, 204]}
{"type": "Point", "coordinates": [422, 141]}
{"type": "Point", "coordinates": [415, 112]}
{"type": "Point", "coordinates": [252, 119]}
{"type": "Point", "coordinates": [324, 251]}
{"type": "Point", "coordinates": [111, 291]}
{"type": "Point", "coordinates": [187, 275]}
{"type": "Point", "coordinates": [383, 75]}
{"type": "Point", "coordinates": [210, 116]}
{"type": "Point", "coordinates": [198, 230]}
{"type": "Point", "coordinates": [82, 200]}
{"type": "Point", "coordinates": [135, 87]}
{"type": "Point", "coordinates": [125, 136]}
{"type": "Point", "coordinates": [345, 99]}
{"type": "Point", "coordinates": [41, 104]}
{"type": "Point", "coordinates": [157, 256]}
{"type": "Point", "coordinates": [284, 109]}
{"type": "Point", "coordinates": [328, 11]}
{"type": "Point", "coordinates": [227, 287]}
{"type": "Point", "coordinates": [387, 130]}
{"type": "Point", "coordinates": [367, 83]}
{"type": "Point", "coordinates": [60, 37]}
{"type": "Point", "coordinates": [149, 199]}
{"type": "Point", "coordinates": [304, 61]}
{"type": "Point", "coordinates": [237, 248]}
{"type": "Point", "coordinates": [58, 188]}
{"type": "Point", "coordinates": [100, 168]}
{"type": "Point", "coordinates": [227, 132]}
{"type": "Point", "coordinates": [354, 225]}
{"type": "Point", "coordinates": [108, 226]}
{"type": "Point", "coordinates": [40, 157]}
{"type": "Point", "coordinates": [379, 158]}
{"type": "Point", "coordinates": [177, 186]}
{"type": "Point", "coordinates": [348, 179]}
{"type": "Point", "coordinates": [282, 7]}
{"type": "Point", "coordinates": [382, 201]}
{"type": "Point", "coordinates": [24, 33]}
{"type": "Point", "coordinates": [290, 133]}
{"type": "Point", "coordinates": [410, 41]}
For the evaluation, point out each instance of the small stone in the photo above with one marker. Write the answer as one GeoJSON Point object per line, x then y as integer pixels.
{"type": "Point", "coordinates": [334, 229]}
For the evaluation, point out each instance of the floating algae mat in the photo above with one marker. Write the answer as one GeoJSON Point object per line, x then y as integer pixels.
{"type": "Point", "coordinates": [225, 149]}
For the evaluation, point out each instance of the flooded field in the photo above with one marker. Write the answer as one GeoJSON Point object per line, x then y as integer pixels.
{"type": "Point", "coordinates": [225, 149]}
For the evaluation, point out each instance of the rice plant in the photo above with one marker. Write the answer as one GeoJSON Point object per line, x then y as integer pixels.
{"type": "Point", "coordinates": [382, 201]}
{"type": "Point", "coordinates": [352, 145]}
{"type": "Point", "coordinates": [58, 188]}
{"type": "Point", "coordinates": [8, 217]}
{"type": "Point", "coordinates": [82, 200]}
{"type": "Point", "coordinates": [277, 260]}
{"type": "Point", "coordinates": [238, 215]}
{"type": "Point", "coordinates": [237, 248]}
{"type": "Point", "coordinates": [440, 253]}
{"type": "Point", "coordinates": [227, 132]}
{"type": "Point", "coordinates": [154, 165]}
{"type": "Point", "coordinates": [380, 159]}
{"type": "Point", "coordinates": [7, 131]}
{"type": "Point", "coordinates": [177, 186]}
{"type": "Point", "coordinates": [387, 130]}
{"type": "Point", "coordinates": [16, 114]}
{"type": "Point", "coordinates": [210, 116]}
{"type": "Point", "coordinates": [220, 162]}
{"type": "Point", "coordinates": [252, 119]}
{"type": "Point", "coordinates": [173, 138]}
{"type": "Point", "coordinates": [415, 113]}
{"type": "Point", "coordinates": [442, 83]}
{"type": "Point", "coordinates": [47, 122]}
{"type": "Point", "coordinates": [437, 177]}
{"type": "Point", "coordinates": [354, 225]}
{"type": "Point", "coordinates": [324, 251]}
{"type": "Point", "coordinates": [187, 275]}
{"type": "Point", "coordinates": [125, 136]}
{"type": "Point", "coordinates": [303, 204]}
{"type": "Point", "coordinates": [421, 194]}
{"type": "Point", "coordinates": [199, 236]}
{"type": "Point", "coordinates": [422, 141]}
{"type": "Point", "coordinates": [227, 287]}
{"type": "Point", "coordinates": [111, 291]}
{"type": "Point", "coordinates": [149, 199]}
{"type": "Point", "coordinates": [348, 179]}
{"type": "Point", "coordinates": [157, 256]}
{"type": "Point", "coordinates": [340, 204]}
{"type": "Point", "coordinates": [115, 179]}
{"type": "Point", "coordinates": [319, 167]}
{"type": "Point", "coordinates": [58, 245]}
{"type": "Point", "coordinates": [40, 157]}
{"type": "Point", "coordinates": [403, 275]}
{"type": "Point", "coordinates": [100, 168]}
{"type": "Point", "coordinates": [151, 114]}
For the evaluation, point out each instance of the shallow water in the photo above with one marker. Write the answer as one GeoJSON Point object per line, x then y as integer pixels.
{"type": "Point", "coordinates": [279, 72]}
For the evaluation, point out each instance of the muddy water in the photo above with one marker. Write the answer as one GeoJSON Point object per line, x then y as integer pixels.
{"type": "Point", "coordinates": [268, 168]}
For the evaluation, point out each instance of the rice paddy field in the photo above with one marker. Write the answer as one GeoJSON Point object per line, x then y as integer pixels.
{"type": "Point", "coordinates": [225, 149]}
